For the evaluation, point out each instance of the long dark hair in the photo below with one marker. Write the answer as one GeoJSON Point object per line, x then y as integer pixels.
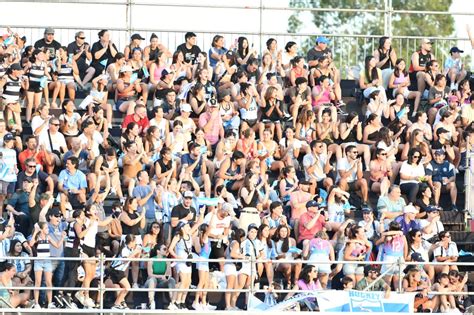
{"type": "Point", "coordinates": [373, 75]}
{"type": "Point", "coordinates": [240, 49]}
{"type": "Point", "coordinates": [260, 235]}
{"type": "Point", "coordinates": [396, 72]}
{"type": "Point", "coordinates": [304, 275]}
{"type": "Point", "coordinates": [285, 246]}
{"type": "Point", "coordinates": [13, 243]}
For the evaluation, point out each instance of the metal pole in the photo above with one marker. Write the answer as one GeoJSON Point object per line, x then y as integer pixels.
{"type": "Point", "coordinates": [128, 18]}
{"type": "Point", "coordinates": [385, 18]}
{"type": "Point", "coordinates": [260, 35]}
{"type": "Point", "coordinates": [252, 289]}
{"type": "Point", "coordinates": [467, 180]}
{"type": "Point", "coordinates": [400, 280]}
{"type": "Point", "coordinates": [101, 285]}
{"type": "Point", "coordinates": [390, 12]}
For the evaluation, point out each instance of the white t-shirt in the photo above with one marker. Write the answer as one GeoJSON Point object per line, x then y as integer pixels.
{"type": "Point", "coordinates": [344, 165]}
{"type": "Point", "coordinates": [57, 140]}
{"type": "Point", "coordinates": [439, 227]}
{"type": "Point", "coordinates": [38, 121]}
{"type": "Point", "coordinates": [441, 251]}
{"type": "Point", "coordinates": [218, 226]}
{"type": "Point", "coordinates": [8, 167]}
{"type": "Point", "coordinates": [97, 140]}
{"type": "Point", "coordinates": [309, 159]}
{"type": "Point", "coordinates": [411, 170]}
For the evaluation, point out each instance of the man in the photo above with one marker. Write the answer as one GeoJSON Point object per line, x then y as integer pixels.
{"type": "Point", "coordinates": [91, 139]}
{"type": "Point", "coordinates": [8, 169]}
{"type": "Point", "coordinates": [46, 183]}
{"type": "Point", "coordinates": [432, 225]}
{"type": "Point", "coordinates": [49, 43]}
{"type": "Point", "coordinates": [251, 68]}
{"type": "Point", "coordinates": [57, 225]}
{"type": "Point", "coordinates": [408, 220]}
{"type": "Point", "coordinates": [219, 224]}
{"type": "Point", "coordinates": [53, 140]}
{"type": "Point", "coordinates": [103, 52]}
{"type": "Point", "coordinates": [419, 59]}
{"type": "Point", "coordinates": [40, 154]}
{"type": "Point", "coordinates": [442, 178]}
{"type": "Point", "coordinates": [300, 96]}
{"type": "Point", "coordinates": [454, 68]}
{"type": "Point", "coordinates": [81, 54]}
{"type": "Point", "coordinates": [319, 50]}
{"type": "Point", "coordinates": [20, 204]}
{"type": "Point", "coordinates": [298, 200]}
{"type": "Point", "coordinates": [72, 185]}
{"type": "Point", "coordinates": [146, 195]}
{"type": "Point", "coordinates": [211, 122]}
{"type": "Point", "coordinates": [311, 222]}
{"type": "Point", "coordinates": [139, 117]}
{"type": "Point", "coordinates": [184, 211]}
{"type": "Point", "coordinates": [171, 105]}
{"type": "Point", "coordinates": [82, 155]}
{"type": "Point", "coordinates": [391, 205]}
{"type": "Point", "coordinates": [189, 48]}
{"type": "Point", "coordinates": [316, 165]}
{"type": "Point", "coordinates": [444, 143]}
{"type": "Point", "coordinates": [194, 164]}
{"type": "Point", "coordinates": [371, 280]}
{"type": "Point", "coordinates": [350, 175]}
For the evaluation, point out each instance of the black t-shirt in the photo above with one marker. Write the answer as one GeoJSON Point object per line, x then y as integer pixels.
{"type": "Point", "coordinates": [73, 48]}
{"type": "Point", "coordinates": [52, 47]}
{"type": "Point", "coordinates": [314, 54]}
{"type": "Point", "coordinates": [181, 212]}
{"type": "Point", "coordinates": [41, 176]}
{"type": "Point", "coordinates": [190, 55]}
{"type": "Point", "coordinates": [436, 145]}
{"type": "Point", "coordinates": [96, 63]}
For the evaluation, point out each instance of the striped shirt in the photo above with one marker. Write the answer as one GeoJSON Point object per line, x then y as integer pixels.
{"type": "Point", "coordinates": [11, 89]}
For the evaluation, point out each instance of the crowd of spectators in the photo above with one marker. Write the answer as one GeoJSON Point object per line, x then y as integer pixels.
{"type": "Point", "coordinates": [226, 152]}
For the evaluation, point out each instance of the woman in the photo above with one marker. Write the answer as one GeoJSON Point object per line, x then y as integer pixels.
{"type": "Point", "coordinates": [230, 116]}
{"type": "Point", "coordinates": [88, 233]}
{"type": "Point", "coordinates": [417, 141]}
{"type": "Point", "coordinates": [326, 68]}
{"type": "Point", "coordinates": [23, 266]}
{"type": "Point", "coordinates": [309, 281]}
{"type": "Point", "coordinates": [356, 248]}
{"type": "Point", "coordinates": [447, 303]}
{"type": "Point", "coordinates": [232, 172]}
{"type": "Point", "coordinates": [135, 42]}
{"type": "Point", "coordinates": [252, 200]}
{"type": "Point", "coordinates": [131, 223]}
{"type": "Point", "coordinates": [272, 113]}
{"type": "Point", "coordinates": [139, 71]}
{"type": "Point", "coordinates": [217, 50]}
{"type": "Point", "coordinates": [412, 173]}
{"type": "Point", "coordinates": [306, 126]}
{"type": "Point", "coordinates": [181, 248]}
{"type": "Point", "coordinates": [370, 79]}
{"type": "Point", "coordinates": [297, 70]}
{"type": "Point", "coordinates": [380, 172]}
{"type": "Point", "coordinates": [264, 237]}
{"type": "Point", "coordinates": [189, 126]}
{"type": "Point", "coordinates": [391, 147]}
{"type": "Point", "coordinates": [37, 73]}
{"type": "Point", "coordinates": [243, 52]}
{"type": "Point", "coordinates": [437, 95]}
{"type": "Point", "coordinates": [156, 65]}
{"type": "Point", "coordinates": [291, 51]}
{"type": "Point", "coordinates": [225, 147]}
{"type": "Point", "coordinates": [421, 122]}
{"type": "Point", "coordinates": [393, 249]}
{"type": "Point", "coordinates": [338, 206]}
{"type": "Point", "coordinates": [282, 242]}
{"type": "Point", "coordinates": [400, 82]}
{"type": "Point", "coordinates": [170, 197]}
{"type": "Point", "coordinates": [119, 268]}
{"type": "Point", "coordinates": [247, 144]}
{"type": "Point", "coordinates": [269, 153]}
{"type": "Point", "coordinates": [202, 62]}
{"type": "Point", "coordinates": [177, 140]}
{"type": "Point", "coordinates": [10, 298]}
{"type": "Point", "coordinates": [70, 121]}
{"type": "Point", "coordinates": [42, 241]}
{"type": "Point", "coordinates": [350, 132]}
{"type": "Point", "coordinates": [113, 71]}
{"type": "Point", "coordinates": [464, 92]}
{"type": "Point", "coordinates": [319, 250]}
{"type": "Point", "coordinates": [378, 106]}
{"type": "Point", "coordinates": [323, 93]}
{"type": "Point", "coordinates": [424, 199]}
{"type": "Point", "coordinates": [249, 103]}
{"type": "Point", "coordinates": [446, 252]}
{"type": "Point", "coordinates": [165, 83]}
{"type": "Point", "coordinates": [152, 51]}
{"type": "Point", "coordinates": [164, 165]}
{"type": "Point", "coordinates": [67, 72]}
{"type": "Point", "coordinates": [231, 270]}
{"type": "Point", "coordinates": [153, 143]}
{"type": "Point", "coordinates": [430, 73]}
{"type": "Point", "coordinates": [328, 131]}
{"type": "Point", "coordinates": [179, 66]}
{"type": "Point", "coordinates": [126, 93]}
{"type": "Point", "coordinates": [132, 134]}
{"type": "Point", "coordinates": [419, 251]}
{"type": "Point", "coordinates": [413, 282]}
{"type": "Point", "coordinates": [398, 108]}
{"type": "Point", "coordinates": [385, 58]}
{"type": "Point", "coordinates": [288, 183]}
{"type": "Point", "coordinates": [153, 237]}
{"type": "Point", "coordinates": [202, 245]}
{"type": "Point", "coordinates": [99, 97]}
{"type": "Point", "coordinates": [371, 129]}
{"type": "Point", "coordinates": [290, 148]}
{"type": "Point", "coordinates": [447, 121]}
{"type": "Point", "coordinates": [197, 100]}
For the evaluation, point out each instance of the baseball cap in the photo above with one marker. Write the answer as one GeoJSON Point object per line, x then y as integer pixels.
{"type": "Point", "coordinates": [137, 36]}
{"type": "Point", "coordinates": [322, 39]}
{"type": "Point", "coordinates": [54, 212]}
{"type": "Point", "coordinates": [126, 68]}
{"type": "Point", "coordinates": [409, 209]}
{"type": "Point", "coordinates": [452, 98]}
{"type": "Point", "coordinates": [431, 208]}
{"type": "Point", "coordinates": [366, 209]}
{"type": "Point", "coordinates": [49, 30]}
{"type": "Point", "coordinates": [455, 50]}
{"type": "Point", "coordinates": [8, 137]}
{"type": "Point", "coordinates": [441, 130]}
{"type": "Point", "coordinates": [212, 102]}
{"type": "Point", "coordinates": [439, 152]}
{"type": "Point", "coordinates": [186, 108]}
{"type": "Point", "coordinates": [252, 226]}
{"type": "Point", "coordinates": [426, 41]}
{"type": "Point", "coordinates": [188, 194]}
{"type": "Point", "coordinates": [227, 207]}
{"type": "Point", "coordinates": [312, 203]}
{"type": "Point", "coordinates": [16, 66]}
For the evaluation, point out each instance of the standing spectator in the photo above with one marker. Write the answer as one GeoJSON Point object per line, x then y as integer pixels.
{"type": "Point", "coordinates": [454, 68]}
{"type": "Point", "coordinates": [189, 48]}
{"type": "Point", "coordinates": [219, 231]}
{"type": "Point", "coordinates": [48, 43]}
{"type": "Point", "coordinates": [146, 194]}
{"type": "Point", "coordinates": [212, 123]}
{"type": "Point", "coordinates": [8, 169]}
{"type": "Point", "coordinates": [385, 57]}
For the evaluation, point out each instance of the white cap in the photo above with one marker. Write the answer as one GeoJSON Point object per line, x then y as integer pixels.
{"type": "Point", "coordinates": [409, 209]}
{"type": "Point", "coordinates": [186, 108]}
{"type": "Point", "coordinates": [126, 68]}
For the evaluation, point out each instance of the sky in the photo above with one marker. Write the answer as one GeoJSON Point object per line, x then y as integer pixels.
{"type": "Point", "coordinates": [179, 17]}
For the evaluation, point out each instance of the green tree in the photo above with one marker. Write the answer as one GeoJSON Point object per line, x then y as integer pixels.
{"type": "Point", "coordinates": [372, 23]}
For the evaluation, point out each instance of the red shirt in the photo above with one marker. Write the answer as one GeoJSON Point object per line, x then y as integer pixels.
{"type": "Point", "coordinates": [143, 123]}
{"type": "Point", "coordinates": [26, 154]}
{"type": "Point", "coordinates": [306, 234]}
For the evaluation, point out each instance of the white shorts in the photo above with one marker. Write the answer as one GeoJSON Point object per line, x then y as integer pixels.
{"type": "Point", "coordinates": [321, 268]}
{"type": "Point", "coordinates": [230, 270]}
{"type": "Point", "coordinates": [395, 270]}
{"type": "Point", "coordinates": [405, 92]}
{"type": "Point", "coordinates": [181, 267]}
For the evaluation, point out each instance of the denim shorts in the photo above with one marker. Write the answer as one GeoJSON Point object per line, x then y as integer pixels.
{"type": "Point", "coordinates": [43, 265]}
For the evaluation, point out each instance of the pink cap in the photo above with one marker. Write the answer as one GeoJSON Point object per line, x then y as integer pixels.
{"type": "Point", "coordinates": [453, 98]}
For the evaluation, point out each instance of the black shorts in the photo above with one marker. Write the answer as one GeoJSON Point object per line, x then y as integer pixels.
{"type": "Point", "coordinates": [116, 275]}
{"type": "Point", "coordinates": [88, 251]}
{"type": "Point", "coordinates": [251, 122]}
{"type": "Point", "coordinates": [217, 252]}
{"type": "Point", "coordinates": [320, 185]}
{"type": "Point", "coordinates": [35, 87]}
{"type": "Point", "coordinates": [352, 186]}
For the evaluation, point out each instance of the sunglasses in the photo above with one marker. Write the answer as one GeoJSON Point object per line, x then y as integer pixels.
{"type": "Point", "coordinates": [31, 166]}
{"type": "Point", "coordinates": [416, 156]}
{"type": "Point", "coordinates": [81, 37]}
{"type": "Point", "coordinates": [383, 154]}
{"type": "Point", "coordinates": [55, 125]}
{"type": "Point", "coordinates": [57, 215]}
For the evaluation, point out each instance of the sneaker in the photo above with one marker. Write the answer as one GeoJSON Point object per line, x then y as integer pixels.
{"type": "Point", "coordinates": [172, 306]}
{"type": "Point", "coordinates": [152, 305]}
{"type": "Point", "coordinates": [197, 306]}
{"type": "Point", "coordinates": [454, 208]}
{"type": "Point", "coordinates": [117, 307]}
{"type": "Point", "coordinates": [211, 307]}
{"type": "Point", "coordinates": [37, 306]}
{"type": "Point", "coordinates": [182, 306]}
{"type": "Point", "coordinates": [135, 286]}
{"type": "Point", "coordinates": [80, 297]}
{"type": "Point", "coordinates": [88, 302]}
{"type": "Point", "coordinates": [59, 301]}
{"type": "Point", "coordinates": [340, 103]}
{"type": "Point", "coordinates": [52, 305]}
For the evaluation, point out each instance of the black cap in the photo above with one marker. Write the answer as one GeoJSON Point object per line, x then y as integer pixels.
{"type": "Point", "coordinates": [252, 226]}
{"type": "Point", "coordinates": [8, 137]}
{"type": "Point", "coordinates": [312, 203]}
{"type": "Point", "coordinates": [455, 50]}
{"type": "Point", "coordinates": [441, 130]}
{"type": "Point", "coordinates": [54, 212]}
{"type": "Point", "coordinates": [431, 208]}
{"type": "Point", "coordinates": [16, 66]}
{"type": "Point", "coordinates": [137, 36]}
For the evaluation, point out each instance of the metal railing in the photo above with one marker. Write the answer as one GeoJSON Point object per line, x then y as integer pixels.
{"type": "Point", "coordinates": [252, 290]}
{"type": "Point", "coordinates": [349, 50]}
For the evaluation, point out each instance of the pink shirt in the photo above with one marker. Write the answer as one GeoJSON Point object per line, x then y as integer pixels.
{"type": "Point", "coordinates": [216, 125]}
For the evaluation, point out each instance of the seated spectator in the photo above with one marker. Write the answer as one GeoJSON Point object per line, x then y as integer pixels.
{"type": "Point", "coordinates": [432, 225]}
{"type": "Point", "coordinates": [72, 184]}
{"type": "Point", "coordinates": [447, 303]}
{"type": "Point", "coordinates": [378, 106]}
{"type": "Point", "coordinates": [217, 50]}
{"type": "Point", "coordinates": [419, 251]}
{"type": "Point", "coordinates": [319, 250]}
{"type": "Point", "coordinates": [412, 174]}
{"type": "Point", "coordinates": [417, 141]}
{"type": "Point", "coordinates": [419, 62]}
{"type": "Point", "coordinates": [10, 298]}
{"type": "Point", "coordinates": [437, 94]}
{"type": "Point", "coordinates": [370, 79]}
{"type": "Point", "coordinates": [326, 68]}
{"type": "Point", "coordinates": [400, 82]}
{"type": "Point", "coordinates": [272, 113]}
{"type": "Point", "coordinates": [380, 173]}
{"type": "Point", "coordinates": [211, 122]}
{"type": "Point", "coordinates": [412, 282]}
{"type": "Point", "coordinates": [372, 275]}
{"type": "Point", "coordinates": [327, 130]}
{"type": "Point", "coordinates": [300, 96]}
{"type": "Point", "coordinates": [408, 220]}
{"type": "Point", "coordinates": [338, 207]}
{"type": "Point", "coordinates": [350, 175]}
{"type": "Point", "coordinates": [306, 126]}
{"type": "Point", "coordinates": [371, 129]}
{"type": "Point", "coordinates": [454, 68]}
{"type": "Point", "coordinates": [442, 177]}
{"type": "Point", "coordinates": [446, 252]}
{"type": "Point", "coordinates": [126, 93]}
{"type": "Point", "coordinates": [317, 165]}
{"type": "Point", "coordinates": [308, 281]}
{"type": "Point", "coordinates": [282, 243]}
{"type": "Point", "coordinates": [139, 117]}
{"type": "Point", "coordinates": [391, 205]}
